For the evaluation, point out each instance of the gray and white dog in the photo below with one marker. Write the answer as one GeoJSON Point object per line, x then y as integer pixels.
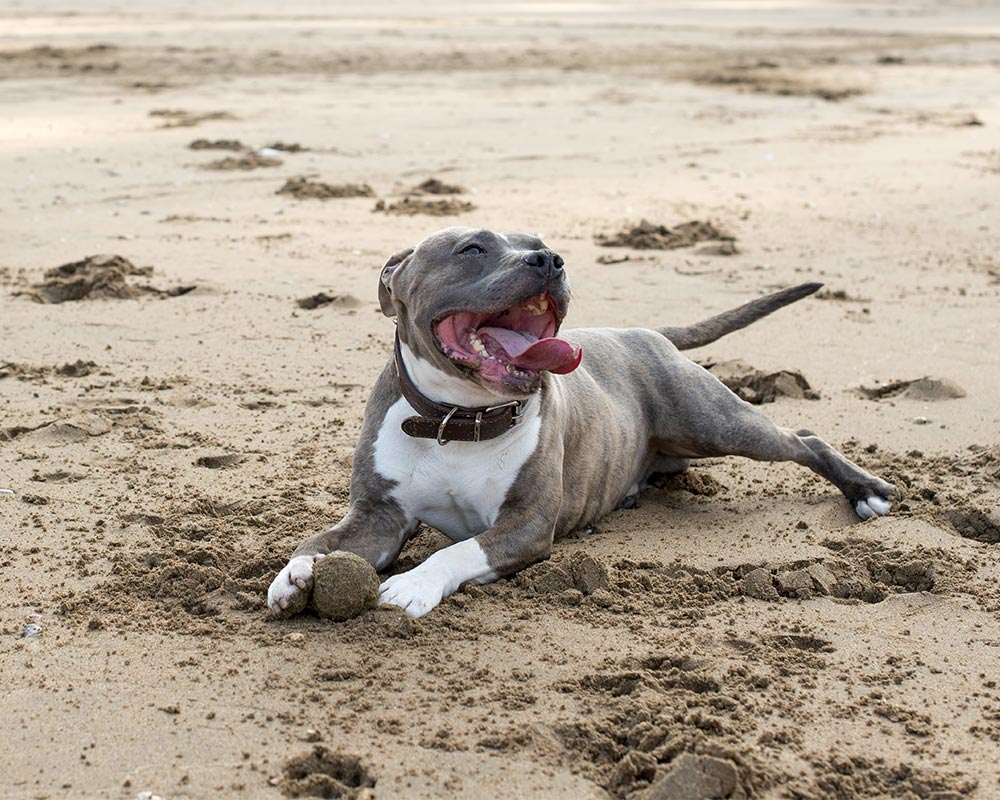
{"type": "Point", "coordinates": [488, 427]}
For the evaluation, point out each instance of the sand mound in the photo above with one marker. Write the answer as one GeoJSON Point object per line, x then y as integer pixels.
{"type": "Point", "coordinates": [245, 162]}
{"type": "Point", "coordinates": [860, 571]}
{"type": "Point", "coordinates": [860, 777]}
{"type": "Point", "coordinates": [58, 476]}
{"type": "Point", "coordinates": [436, 186]}
{"type": "Point", "coordinates": [179, 118]}
{"type": "Point", "coordinates": [217, 144]}
{"type": "Point", "coordinates": [286, 147]}
{"type": "Point", "coordinates": [22, 372]}
{"type": "Point", "coordinates": [97, 277]}
{"type": "Point", "coordinates": [76, 369]}
{"type": "Point", "coordinates": [580, 573]}
{"type": "Point", "coordinates": [925, 389]}
{"type": "Point", "coordinates": [323, 773]}
{"type": "Point", "coordinates": [647, 236]}
{"type": "Point", "coordinates": [224, 461]}
{"type": "Point", "coordinates": [839, 296]}
{"type": "Point", "coordinates": [695, 482]}
{"type": "Point", "coordinates": [409, 206]}
{"type": "Point", "coordinates": [305, 189]}
{"type": "Point", "coordinates": [69, 431]}
{"type": "Point", "coordinates": [94, 276]}
{"type": "Point", "coordinates": [759, 387]}
{"type": "Point", "coordinates": [314, 301]}
{"type": "Point", "coordinates": [971, 523]}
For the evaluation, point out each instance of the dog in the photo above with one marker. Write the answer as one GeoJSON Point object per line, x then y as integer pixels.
{"type": "Point", "coordinates": [503, 435]}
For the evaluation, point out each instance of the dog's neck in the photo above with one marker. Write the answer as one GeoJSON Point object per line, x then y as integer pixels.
{"type": "Point", "coordinates": [440, 387]}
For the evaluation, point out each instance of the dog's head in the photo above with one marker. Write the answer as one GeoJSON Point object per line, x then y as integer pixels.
{"type": "Point", "coordinates": [482, 305]}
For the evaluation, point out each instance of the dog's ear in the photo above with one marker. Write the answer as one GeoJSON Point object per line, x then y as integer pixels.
{"type": "Point", "coordinates": [384, 292]}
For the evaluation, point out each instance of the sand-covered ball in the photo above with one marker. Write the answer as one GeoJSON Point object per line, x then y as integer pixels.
{"type": "Point", "coordinates": [344, 585]}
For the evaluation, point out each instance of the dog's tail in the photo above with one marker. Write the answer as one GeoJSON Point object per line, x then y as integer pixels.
{"type": "Point", "coordinates": [708, 330]}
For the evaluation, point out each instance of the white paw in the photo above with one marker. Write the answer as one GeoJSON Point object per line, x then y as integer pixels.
{"type": "Point", "coordinates": [872, 506]}
{"type": "Point", "coordinates": [416, 591]}
{"type": "Point", "coordinates": [289, 591]}
{"type": "Point", "coordinates": [423, 587]}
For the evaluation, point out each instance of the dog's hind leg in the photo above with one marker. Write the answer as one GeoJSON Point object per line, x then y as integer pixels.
{"type": "Point", "coordinates": [707, 420]}
{"type": "Point", "coordinates": [870, 496]}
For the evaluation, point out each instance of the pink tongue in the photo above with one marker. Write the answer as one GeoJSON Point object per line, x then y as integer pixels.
{"type": "Point", "coordinates": [551, 355]}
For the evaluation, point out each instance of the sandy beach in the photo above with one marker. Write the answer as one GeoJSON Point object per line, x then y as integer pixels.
{"type": "Point", "coordinates": [196, 205]}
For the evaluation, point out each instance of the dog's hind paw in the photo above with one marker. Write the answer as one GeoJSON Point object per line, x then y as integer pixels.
{"type": "Point", "coordinates": [289, 591]}
{"type": "Point", "coordinates": [872, 506]}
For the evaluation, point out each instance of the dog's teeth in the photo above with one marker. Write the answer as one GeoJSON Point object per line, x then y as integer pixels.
{"type": "Point", "coordinates": [478, 346]}
{"type": "Point", "coordinates": [537, 307]}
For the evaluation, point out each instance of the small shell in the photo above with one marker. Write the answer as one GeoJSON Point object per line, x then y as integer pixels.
{"type": "Point", "coordinates": [31, 629]}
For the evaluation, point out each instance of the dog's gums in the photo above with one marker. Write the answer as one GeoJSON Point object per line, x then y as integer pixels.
{"type": "Point", "coordinates": [510, 347]}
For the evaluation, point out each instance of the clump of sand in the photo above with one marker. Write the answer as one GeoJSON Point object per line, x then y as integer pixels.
{"type": "Point", "coordinates": [99, 276]}
{"type": "Point", "coordinates": [410, 206]}
{"type": "Point", "coordinates": [324, 773]}
{"type": "Point", "coordinates": [217, 144]}
{"type": "Point", "coordinates": [305, 189]}
{"type": "Point", "coordinates": [244, 162]}
{"type": "Point", "coordinates": [437, 186]}
{"type": "Point", "coordinates": [321, 299]}
{"type": "Point", "coordinates": [756, 386]}
{"type": "Point", "coordinates": [647, 236]}
{"type": "Point", "coordinates": [925, 389]}
{"type": "Point", "coordinates": [181, 118]}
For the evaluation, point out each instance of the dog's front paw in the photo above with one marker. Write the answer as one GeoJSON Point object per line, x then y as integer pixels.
{"type": "Point", "coordinates": [416, 592]}
{"type": "Point", "coordinates": [289, 591]}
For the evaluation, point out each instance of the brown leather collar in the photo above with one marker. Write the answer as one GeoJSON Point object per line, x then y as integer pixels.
{"type": "Point", "coordinates": [447, 423]}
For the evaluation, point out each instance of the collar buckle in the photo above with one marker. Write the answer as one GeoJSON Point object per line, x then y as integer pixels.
{"type": "Point", "coordinates": [444, 423]}
{"type": "Point", "coordinates": [517, 405]}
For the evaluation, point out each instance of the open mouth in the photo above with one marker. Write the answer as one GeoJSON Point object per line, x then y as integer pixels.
{"type": "Point", "coordinates": [510, 347]}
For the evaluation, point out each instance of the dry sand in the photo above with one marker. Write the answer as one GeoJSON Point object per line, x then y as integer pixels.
{"type": "Point", "coordinates": [169, 445]}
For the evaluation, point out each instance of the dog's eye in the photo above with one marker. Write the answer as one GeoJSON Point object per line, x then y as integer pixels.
{"type": "Point", "coordinates": [472, 250]}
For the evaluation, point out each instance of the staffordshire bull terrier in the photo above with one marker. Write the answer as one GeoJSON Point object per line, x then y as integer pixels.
{"type": "Point", "coordinates": [487, 425]}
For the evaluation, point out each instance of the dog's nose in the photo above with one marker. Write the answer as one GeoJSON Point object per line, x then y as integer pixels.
{"type": "Point", "coordinates": [544, 261]}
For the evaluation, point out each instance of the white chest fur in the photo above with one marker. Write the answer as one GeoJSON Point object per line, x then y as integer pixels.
{"type": "Point", "coordinates": [457, 488]}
